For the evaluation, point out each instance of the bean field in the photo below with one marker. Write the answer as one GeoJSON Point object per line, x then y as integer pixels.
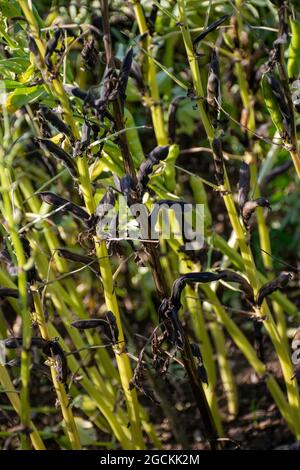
{"type": "Point", "coordinates": [149, 225]}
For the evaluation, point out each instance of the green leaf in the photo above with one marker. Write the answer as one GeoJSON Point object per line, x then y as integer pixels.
{"type": "Point", "coordinates": [22, 96]}
{"type": "Point", "coordinates": [14, 64]}
{"type": "Point", "coordinates": [86, 431]}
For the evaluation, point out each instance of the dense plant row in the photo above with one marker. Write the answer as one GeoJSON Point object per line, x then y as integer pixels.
{"type": "Point", "coordinates": [104, 99]}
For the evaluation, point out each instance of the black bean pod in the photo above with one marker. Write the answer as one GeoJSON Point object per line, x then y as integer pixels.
{"type": "Point", "coordinates": [244, 184]}
{"type": "Point", "coordinates": [55, 120]}
{"type": "Point", "coordinates": [218, 160]}
{"type": "Point", "coordinates": [231, 276]}
{"type": "Point", "coordinates": [250, 206]}
{"type": "Point", "coordinates": [113, 327]}
{"type": "Point", "coordinates": [50, 49]}
{"type": "Point", "coordinates": [60, 155]}
{"type": "Point", "coordinates": [8, 292]}
{"type": "Point", "coordinates": [189, 278]}
{"type": "Point", "coordinates": [106, 203]}
{"type": "Point", "coordinates": [267, 289]}
{"type": "Point", "coordinates": [213, 87]}
{"type": "Point", "coordinates": [88, 324]}
{"type": "Point", "coordinates": [17, 342]}
{"type": "Point", "coordinates": [124, 75]}
{"type": "Point", "coordinates": [67, 206]}
{"type": "Point", "coordinates": [210, 28]}
{"type": "Point", "coordinates": [157, 155]}
{"type": "Point", "coordinates": [77, 258]}
{"type": "Point", "coordinates": [61, 364]}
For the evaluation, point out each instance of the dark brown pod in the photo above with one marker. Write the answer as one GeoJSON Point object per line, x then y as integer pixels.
{"type": "Point", "coordinates": [278, 283]}
{"type": "Point", "coordinates": [210, 28]}
{"type": "Point", "coordinates": [90, 55]}
{"type": "Point", "coordinates": [77, 92]}
{"type": "Point", "coordinates": [106, 203]}
{"type": "Point", "coordinates": [231, 276]}
{"type": "Point", "coordinates": [196, 351]}
{"type": "Point", "coordinates": [88, 324]}
{"type": "Point", "coordinates": [202, 373]}
{"type": "Point", "coordinates": [158, 154]}
{"type": "Point", "coordinates": [61, 364]}
{"type": "Point", "coordinates": [50, 49]}
{"type": "Point", "coordinates": [218, 160]}
{"type": "Point", "coordinates": [57, 201]}
{"type": "Point", "coordinates": [55, 120]}
{"type": "Point", "coordinates": [77, 258]}
{"type": "Point", "coordinates": [8, 292]}
{"type": "Point", "coordinates": [213, 84]}
{"type": "Point", "coordinates": [189, 278]}
{"type": "Point", "coordinates": [17, 342]}
{"type": "Point", "coordinates": [60, 155]}
{"type": "Point", "coordinates": [150, 20]}
{"type": "Point", "coordinates": [250, 206]}
{"type": "Point", "coordinates": [244, 184]}
{"type": "Point", "coordinates": [124, 75]}
{"type": "Point", "coordinates": [112, 323]}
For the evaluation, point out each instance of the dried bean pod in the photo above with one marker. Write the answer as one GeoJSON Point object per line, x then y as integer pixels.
{"type": "Point", "coordinates": [278, 283]}
{"type": "Point", "coordinates": [244, 184]}
{"type": "Point", "coordinates": [124, 75]}
{"type": "Point", "coordinates": [70, 255]}
{"type": "Point", "coordinates": [196, 351]}
{"type": "Point", "coordinates": [50, 49]}
{"type": "Point", "coordinates": [8, 292]}
{"type": "Point", "coordinates": [157, 155]}
{"type": "Point", "coordinates": [113, 327]}
{"type": "Point", "coordinates": [17, 342]}
{"type": "Point", "coordinates": [57, 201]}
{"type": "Point", "coordinates": [55, 120]}
{"type": "Point", "coordinates": [106, 203]}
{"type": "Point", "coordinates": [180, 283]}
{"type": "Point", "coordinates": [218, 160]}
{"type": "Point", "coordinates": [60, 155]}
{"type": "Point", "coordinates": [250, 206]}
{"type": "Point", "coordinates": [231, 276]}
{"type": "Point", "coordinates": [61, 364]}
{"type": "Point", "coordinates": [202, 373]}
{"type": "Point", "coordinates": [210, 28]}
{"type": "Point", "coordinates": [88, 324]}
{"type": "Point", "coordinates": [213, 86]}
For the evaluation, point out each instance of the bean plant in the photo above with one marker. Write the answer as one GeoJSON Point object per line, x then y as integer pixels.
{"type": "Point", "coordinates": [160, 102]}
